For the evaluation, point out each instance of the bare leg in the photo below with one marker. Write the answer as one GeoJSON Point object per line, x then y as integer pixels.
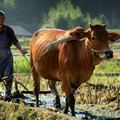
{"type": "Point", "coordinates": [55, 93]}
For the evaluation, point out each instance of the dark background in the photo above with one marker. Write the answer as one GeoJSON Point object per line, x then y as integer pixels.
{"type": "Point", "coordinates": [62, 14]}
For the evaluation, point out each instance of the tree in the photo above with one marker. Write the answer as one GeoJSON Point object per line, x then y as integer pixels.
{"type": "Point", "coordinates": [66, 16]}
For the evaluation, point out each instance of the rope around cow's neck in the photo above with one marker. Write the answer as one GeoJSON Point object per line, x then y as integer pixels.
{"type": "Point", "coordinates": [93, 51]}
{"type": "Point", "coordinates": [39, 59]}
{"type": "Point", "coordinates": [51, 45]}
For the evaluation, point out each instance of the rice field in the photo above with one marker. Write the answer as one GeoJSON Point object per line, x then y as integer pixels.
{"type": "Point", "coordinates": [106, 73]}
{"type": "Point", "coordinates": [102, 90]}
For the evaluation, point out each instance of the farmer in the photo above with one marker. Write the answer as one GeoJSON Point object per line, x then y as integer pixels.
{"type": "Point", "coordinates": [7, 38]}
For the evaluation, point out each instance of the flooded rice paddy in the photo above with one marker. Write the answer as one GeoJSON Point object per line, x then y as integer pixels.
{"type": "Point", "coordinates": [83, 111]}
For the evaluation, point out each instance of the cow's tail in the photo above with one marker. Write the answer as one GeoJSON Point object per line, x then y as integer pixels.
{"type": "Point", "coordinates": [30, 49]}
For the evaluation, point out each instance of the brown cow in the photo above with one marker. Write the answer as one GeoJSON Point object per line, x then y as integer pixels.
{"type": "Point", "coordinates": [71, 62]}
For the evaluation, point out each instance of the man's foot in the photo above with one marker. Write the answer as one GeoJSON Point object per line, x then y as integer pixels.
{"type": "Point", "coordinates": [7, 97]}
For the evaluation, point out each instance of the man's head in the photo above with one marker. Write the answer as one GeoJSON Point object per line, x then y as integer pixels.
{"type": "Point", "coordinates": [2, 13]}
{"type": "Point", "coordinates": [2, 18]}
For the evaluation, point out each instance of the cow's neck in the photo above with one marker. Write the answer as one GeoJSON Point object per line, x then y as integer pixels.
{"type": "Point", "coordinates": [92, 54]}
{"type": "Point", "coordinates": [89, 61]}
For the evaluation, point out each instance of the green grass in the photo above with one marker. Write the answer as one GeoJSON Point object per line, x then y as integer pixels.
{"type": "Point", "coordinates": [24, 39]}
{"type": "Point", "coordinates": [105, 80]}
{"type": "Point", "coordinates": [21, 65]}
{"type": "Point", "coordinates": [108, 66]}
{"type": "Point", "coordinates": [111, 66]}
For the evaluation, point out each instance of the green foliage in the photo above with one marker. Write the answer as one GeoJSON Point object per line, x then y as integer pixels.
{"type": "Point", "coordinates": [108, 66]}
{"type": "Point", "coordinates": [24, 40]}
{"type": "Point", "coordinates": [21, 65]}
{"type": "Point", "coordinates": [66, 16]}
{"type": "Point", "coordinates": [27, 13]}
{"type": "Point", "coordinates": [62, 14]}
{"type": "Point", "coordinates": [10, 3]}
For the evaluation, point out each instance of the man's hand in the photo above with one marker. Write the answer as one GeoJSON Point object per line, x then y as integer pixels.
{"type": "Point", "coordinates": [18, 46]}
{"type": "Point", "coordinates": [23, 51]}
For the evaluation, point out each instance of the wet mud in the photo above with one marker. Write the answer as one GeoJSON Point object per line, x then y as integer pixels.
{"type": "Point", "coordinates": [83, 111]}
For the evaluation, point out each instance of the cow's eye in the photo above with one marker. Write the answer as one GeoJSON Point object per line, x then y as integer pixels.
{"type": "Point", "coordinates": [93, 38]}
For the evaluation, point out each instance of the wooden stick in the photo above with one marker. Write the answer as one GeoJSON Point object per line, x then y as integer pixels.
{"type": "Point", "coordinates": [18, 82]}
{"type": "Point", "coordinates": [59, 42]}
{"type": "Point", "coordinates": [31, 92]}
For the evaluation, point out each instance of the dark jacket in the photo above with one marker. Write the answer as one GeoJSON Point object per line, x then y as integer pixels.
{"type": "Point", "coordinates": [10, 34]}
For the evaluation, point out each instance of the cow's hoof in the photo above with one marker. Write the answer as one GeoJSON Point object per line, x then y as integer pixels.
{"type": "Point", "coordinates": [58, 106]}
{"type": "Point", "coordinates": [57, 103]}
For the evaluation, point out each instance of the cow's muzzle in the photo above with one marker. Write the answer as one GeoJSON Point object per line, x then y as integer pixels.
{"type": "Point", "coordinates": [103, 54]}
{"type": "Point", "coordinates": [109, 54]}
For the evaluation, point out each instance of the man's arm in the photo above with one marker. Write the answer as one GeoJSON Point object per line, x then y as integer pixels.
{"type": "Point", "coordinates": [18, 46]}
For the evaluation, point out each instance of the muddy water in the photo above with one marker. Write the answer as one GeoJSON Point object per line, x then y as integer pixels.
{"type": "Point", "coordinates": [92, 112]}
{"type": "Point", "coordinates": [82, 111]}
{"type": "Point", "coordinates": [46, 102]}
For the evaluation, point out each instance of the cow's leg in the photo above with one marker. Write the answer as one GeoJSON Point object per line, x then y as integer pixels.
{"type": "Point", "coordinates": [66, 107]}
{"type": "Point", "coordinates": [71, 103]}
{"type": "Point", "coordinates": [36, 78]}
{"type": "Point", "coordinates": [70, 100]}
{"type": "Point", "coordinates": [55, 93]}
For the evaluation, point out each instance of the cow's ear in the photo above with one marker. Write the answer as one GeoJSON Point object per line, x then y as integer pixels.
{"type": "Point", "coordinates": [114, 36]}
{"type": "Point", "coordinates": [79, 34]}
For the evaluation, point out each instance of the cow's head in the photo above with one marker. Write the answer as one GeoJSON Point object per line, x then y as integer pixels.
{"type": "Point", "coordinates": [97, 40]}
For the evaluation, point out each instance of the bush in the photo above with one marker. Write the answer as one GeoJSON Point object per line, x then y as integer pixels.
{"type": "Point", "coordinates": [65, 16]}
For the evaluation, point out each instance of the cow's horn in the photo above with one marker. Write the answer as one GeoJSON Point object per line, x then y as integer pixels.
{"type": "Point", "coordinates": [104, 25]}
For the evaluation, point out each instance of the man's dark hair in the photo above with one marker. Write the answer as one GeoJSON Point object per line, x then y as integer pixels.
{"type": "Point", "coordinates": [2, 13]}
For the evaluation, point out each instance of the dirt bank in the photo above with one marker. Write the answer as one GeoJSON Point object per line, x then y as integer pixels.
{"type": "Point", "coordinates": [14, 111]}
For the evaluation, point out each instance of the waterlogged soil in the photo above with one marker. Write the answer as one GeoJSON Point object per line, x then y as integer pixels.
{"type": "Point", "coordinates": [83, 111]}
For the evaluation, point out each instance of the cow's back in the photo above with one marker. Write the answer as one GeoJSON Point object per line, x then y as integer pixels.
{"type": "Point", "coordinates": [48, 63]}
{"type": "Point", "coordinates": [37, 47]}
{"type": "Point", "coordinates": [44, 36]}
{"type": "Point", "coordinates": [41, 38]}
